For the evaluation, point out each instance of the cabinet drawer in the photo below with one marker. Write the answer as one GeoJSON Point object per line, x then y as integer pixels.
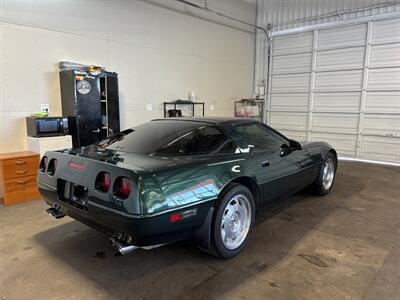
{"type": "Point", "coordinates": [20, 184]}
{"type": "Point", "coordinates": [13, 168]}
{"type": "Point", "coordinates": [19, 190]}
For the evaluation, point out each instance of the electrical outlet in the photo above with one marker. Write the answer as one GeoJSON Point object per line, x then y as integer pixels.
{"type": "Point", "coordinates": [212, 107]}
{"type": "Point", "coordinates": [44, 108]}
{"type": "Point", "coordinates": [149, 107]}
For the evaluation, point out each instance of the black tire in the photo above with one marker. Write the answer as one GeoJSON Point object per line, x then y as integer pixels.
{"type": "Point", "coordinates": [317, 187]}
{"type": "Point", "coordinates": [227, 196]}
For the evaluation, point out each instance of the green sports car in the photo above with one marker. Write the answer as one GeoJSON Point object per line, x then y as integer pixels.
{"type": "Point", "coordinates": [173, 179]}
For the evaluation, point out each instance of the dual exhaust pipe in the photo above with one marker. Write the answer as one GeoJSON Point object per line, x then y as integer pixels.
{"type": "Point", "coordinates": [122, 247]}
{"type": "Point", "coordinates": [55, 212]}
{"type": "Point", "coordinates": [125, 248]}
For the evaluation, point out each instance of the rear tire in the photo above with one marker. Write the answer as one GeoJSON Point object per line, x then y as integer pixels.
{"type": "Point", "coordinates": [233, 220]}
{"type": "Point", "coordinates": [326, 177]}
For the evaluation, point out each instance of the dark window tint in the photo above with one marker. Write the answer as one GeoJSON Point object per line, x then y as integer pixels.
{"type": "Point", "coordinates": [172, 138]}
{"type": "Point", "coordinates": [203, 140]}
{"type": "Point", "coordinates": [257, 136]}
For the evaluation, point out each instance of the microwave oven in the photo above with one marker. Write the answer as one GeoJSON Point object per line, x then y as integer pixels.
{"type": "Point", "coordinates": [48, 126]}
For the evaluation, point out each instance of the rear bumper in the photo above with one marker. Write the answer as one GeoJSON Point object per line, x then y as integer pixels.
{"type": "Point", "coordinates": [143, 230]}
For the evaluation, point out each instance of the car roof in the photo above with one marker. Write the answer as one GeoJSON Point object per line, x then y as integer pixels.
{"type": "Point", "coordinates": [209, 120]}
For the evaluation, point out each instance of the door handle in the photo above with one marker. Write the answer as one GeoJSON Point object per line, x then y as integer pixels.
{"type": "Point", "coordinates": [264, 163]}
{"type": "Point", "coordinates": [96, 131]}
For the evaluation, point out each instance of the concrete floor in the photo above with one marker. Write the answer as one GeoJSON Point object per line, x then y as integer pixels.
{"type": "Point", "coordinates": [342, 246]}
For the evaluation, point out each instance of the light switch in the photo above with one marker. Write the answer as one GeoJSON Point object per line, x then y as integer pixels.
{"type": "Point", "coordinates": [212, 107]}
{"type": "Point", "coordinates": [149, 107]}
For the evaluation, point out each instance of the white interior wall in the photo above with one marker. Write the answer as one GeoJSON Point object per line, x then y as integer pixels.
{"type": "Point", "coordinates": [159, 54]}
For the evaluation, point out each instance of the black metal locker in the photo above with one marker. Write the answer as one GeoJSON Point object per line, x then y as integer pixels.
{"type": "Point", "coordinates": [86, 102]}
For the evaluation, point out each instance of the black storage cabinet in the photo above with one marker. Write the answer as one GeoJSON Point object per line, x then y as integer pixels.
{"type": "Point", "coordinates": [91, 104]}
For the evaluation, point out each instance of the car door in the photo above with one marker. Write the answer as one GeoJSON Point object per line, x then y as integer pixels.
{"type": "Point", "coordinates": [263, 147]}
{"type": "Point", "coordinates": [273, 172]}
{"type": "Point", "coordinates": [306, 169]}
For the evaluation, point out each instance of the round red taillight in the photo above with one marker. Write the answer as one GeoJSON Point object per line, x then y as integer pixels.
{"type": "Point", "coordinates": [103, 182]}
{"type": "Point", "coordinates": [43, 164]}
{"type": "Point", "coordinates": [122, 187]}
{"type": "Point", "coordinates": [51, 169]}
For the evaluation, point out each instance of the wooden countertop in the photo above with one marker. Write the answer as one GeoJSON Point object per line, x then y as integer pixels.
{"type": "Point", "coordinates": [16, 155]}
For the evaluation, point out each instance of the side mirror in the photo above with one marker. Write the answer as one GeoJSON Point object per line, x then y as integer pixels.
{"type": "Point", "coordinates": [295, 145]}
{"type": "Point", "coordinates": [285, 150]}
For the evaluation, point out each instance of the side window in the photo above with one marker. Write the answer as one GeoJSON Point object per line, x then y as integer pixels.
{"type": "Point", "coordinates": [203, 140]}
{"type": "Point", "coordinates": [258, 137]}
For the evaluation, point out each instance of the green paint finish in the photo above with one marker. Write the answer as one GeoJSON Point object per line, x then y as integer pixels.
{"type": "Point", "coordinates": [191, 180]}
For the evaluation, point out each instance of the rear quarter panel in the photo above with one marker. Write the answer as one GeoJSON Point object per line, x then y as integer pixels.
{"type": "Point", "coordinates": [185, 185]}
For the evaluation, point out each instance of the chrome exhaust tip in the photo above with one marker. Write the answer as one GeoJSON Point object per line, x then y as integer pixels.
{"type": "Point", "coordinates": [55, 213]}
{"type": "Point", "coordinates": [121, 247]}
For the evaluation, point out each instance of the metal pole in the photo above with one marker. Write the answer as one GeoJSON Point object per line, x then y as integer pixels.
{"type": "Point", "coordinates": [363, 102]}
{"type": "Point", "coordinates": [267, 97]}
{"type": "Point", "coordinates": [312, 85]}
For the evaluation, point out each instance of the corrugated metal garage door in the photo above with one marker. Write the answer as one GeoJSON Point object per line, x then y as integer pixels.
{"type": "Point", "coordinates": [340, 85]}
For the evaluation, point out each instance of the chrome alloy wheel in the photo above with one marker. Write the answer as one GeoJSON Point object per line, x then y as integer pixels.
{"type": "Point", "coordinates": [236, 221]}
{"type": "Point", "coordinates": [328, 173]}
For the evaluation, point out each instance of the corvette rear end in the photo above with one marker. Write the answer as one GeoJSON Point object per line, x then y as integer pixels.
{"type": "Point", "coordinates": [97, 188]}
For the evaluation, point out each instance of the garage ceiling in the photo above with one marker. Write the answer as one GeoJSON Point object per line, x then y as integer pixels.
{"type": "Point", "coordinates": [341, 85]}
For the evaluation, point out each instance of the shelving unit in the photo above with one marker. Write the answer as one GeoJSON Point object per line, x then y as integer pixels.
{"type": "Point", "coordinates": [104, 107]}
{"type": "Point", "coordinates": [249, 108]}
{"type": "Point", "coordinates": [183, 107]}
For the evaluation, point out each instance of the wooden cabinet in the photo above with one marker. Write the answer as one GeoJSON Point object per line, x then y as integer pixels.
{"type": "Point", "coordinates": [18, 173]}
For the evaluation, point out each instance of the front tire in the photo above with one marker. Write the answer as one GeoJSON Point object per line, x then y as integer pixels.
{"type": "Point", "coordinates": [326, 176]}
{"type": "Point", "coordinates": [233, 220]}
